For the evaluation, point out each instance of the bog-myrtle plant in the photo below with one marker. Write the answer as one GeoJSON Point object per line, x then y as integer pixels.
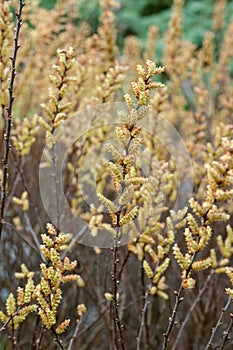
{"type": "Point", "coordinates": [44, 297]}
{"type": "Point", "coordinates": [165, 278]}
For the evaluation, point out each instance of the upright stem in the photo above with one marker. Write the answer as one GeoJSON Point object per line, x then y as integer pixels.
{"type": "Point", "coordinates": [118, 327]}
{"type": "Point", "coordinates": [171, 323]}
{"type": "Point", "coordinates": [118, 333]}
{"type": "Point", "coordinates": [9, 117]}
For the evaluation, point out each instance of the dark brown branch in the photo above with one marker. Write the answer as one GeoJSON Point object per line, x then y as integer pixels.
{"type": "Point", "coordinates": [118, 331]}
{"type": "Point", "coordinates": [57, 340]}
{"type": "Point", "coordinates": [8, 116]}
{"type": "Point", "coordinates": [171, 323]}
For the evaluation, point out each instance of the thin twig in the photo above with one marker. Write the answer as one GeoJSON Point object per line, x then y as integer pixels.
{"type": "Point", "coordinates": [179, 299]}
{"type": "Point", "coordinates": [9, 117]}
{"type": "Point", "coordinates": [22, 236]}
{"type": "Point", "coordinates": [171, 323]}
{"type": "Point", "coordinates": [226, 333]}
{"type": "Point", "coordinates": [30, 229]}
{"type": "Point", "coordinates": [74, 336]}
{"type": "Point", "coordinates": [218, 324]}
{"type": "Point", "coordinates": [74, 240]}
{"type": "Point", "coordinates": [93, 324]}
{"type": "Point", "coordinates": [123, 264]}
{"type": "Point", "coordinates": [9, 319]}
{"type": "Point", "coordinates": [13, 188]}
{"type": "Point", "coordinates": [39, 340]}
{"type": "Point", "coordinates": [57, 340]}
{"type": "Point", "coordinates": [144, 310]}
{"type": "Point", "coordinates": [198, 298]}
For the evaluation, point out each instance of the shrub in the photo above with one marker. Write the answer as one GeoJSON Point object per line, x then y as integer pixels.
{"type": "Point", "coordinates": [138, 171]}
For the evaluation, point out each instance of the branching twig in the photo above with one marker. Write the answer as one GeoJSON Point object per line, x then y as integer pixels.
{"type": "Point", "coordinates": [218, 324]}
{"type": "Point", "coordinates": [9, 319]}
{"type": "Point", "coordinates": [226, 333]}
{"type": "Point", "coordinates": [171, 323]}
{"type": "Point", "coordinates": [198, 298]}
{"type": "Point", "coordinates": [179, 299]}
{"type": "Point", "coordinates": [8, 118]}
{"type": "Point", "coordinates": [57, 340]}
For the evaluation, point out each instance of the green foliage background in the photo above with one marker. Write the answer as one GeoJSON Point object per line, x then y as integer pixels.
{"type": "Point", "coordinates": [134, 17]}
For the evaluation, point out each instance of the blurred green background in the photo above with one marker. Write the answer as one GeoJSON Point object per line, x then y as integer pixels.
{"type": "Point", "coordinates": [135, 16]}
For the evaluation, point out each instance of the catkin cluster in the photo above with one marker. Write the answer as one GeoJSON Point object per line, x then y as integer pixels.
{"type": "Point", "coordinates": [45, 296]}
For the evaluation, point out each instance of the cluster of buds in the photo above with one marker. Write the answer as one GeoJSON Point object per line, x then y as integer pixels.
{"type": "Point", "coordinates": [23, 201]}
{"type": "Point", "coordinates": [110, 83]}
{"type": "Point", "coordinates": [48, 292]}
{"type": "Point", "coordinates": [24, 134]}
{"type": "Point", "coordinates": [44, 297]}
{"type": "Point", "coordinates": [142, 87]}
{"type": "Point", "coordinates": [150, 238]}
{"type": "Point", "coordinates": [58, 107]}
{"type": "Point", "coordinates": [124, 172]}
{"type": "Point", "coordinates": [199, 230]}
